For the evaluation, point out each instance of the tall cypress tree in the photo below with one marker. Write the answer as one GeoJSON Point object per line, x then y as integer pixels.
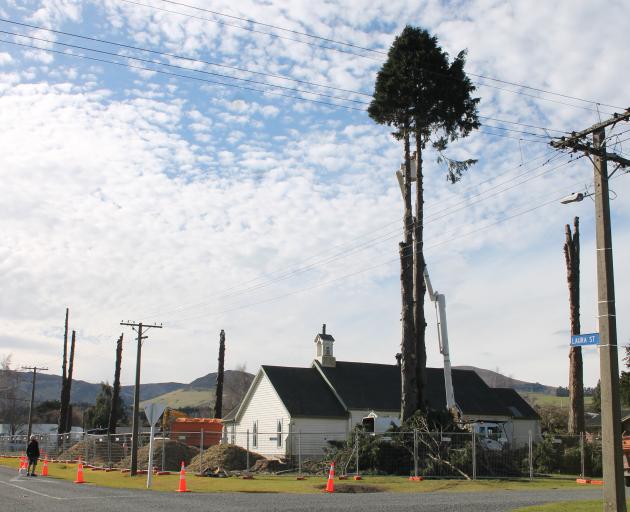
{"type": "Point", "coordinates": [419, 90]}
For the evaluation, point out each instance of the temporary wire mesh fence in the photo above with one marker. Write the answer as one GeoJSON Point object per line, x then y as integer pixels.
{"type": "Point", "coordinates": [417, 453]}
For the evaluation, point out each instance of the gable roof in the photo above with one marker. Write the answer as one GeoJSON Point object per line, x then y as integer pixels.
{"type": "Point", "coordinates": [364, 385]}
{"type": "Point", "coordinates": [516, 404]}
{"type": "Point", "coordinates": [377, 386]}
{"type": "Point", "coordinates": [303, 392]}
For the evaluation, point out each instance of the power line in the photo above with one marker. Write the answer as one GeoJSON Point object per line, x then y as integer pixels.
{"type": "Point", "coordinates": [153, 309]}
{"type": "Point", "coordinates": [369, 243]}
{"type": "Point", "coordinates": [182, 57]}
{"type": "Point", "coordinates": [346, 276]}
{"type": "Point", "coordinates": [253, 30]}
{"type": "Point", "coordinates": [209, 63]}
{"type": "Point", "coordinates": [169, 73]}
{"type": "Point", "coordinates": [160, 63]}
{"type": "Point", "coordinates": [371, 50]}
{"type": "Point", "coordinates": [275, 27]}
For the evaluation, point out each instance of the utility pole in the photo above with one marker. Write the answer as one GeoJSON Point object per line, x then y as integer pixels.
{"type": "Point", "coordinates": [614, 489]}
{"type": "Point", "coordinates": [30, 410]}
{"type": "Point", "coordinates": [140, 328]}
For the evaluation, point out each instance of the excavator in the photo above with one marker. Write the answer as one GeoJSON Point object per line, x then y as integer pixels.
{"type": "Point", "coordinates": [169, 416]}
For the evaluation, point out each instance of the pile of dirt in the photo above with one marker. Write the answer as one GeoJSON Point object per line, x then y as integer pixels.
{"type": "Point", "coordinates": [174, 453]}
{"type": "Point", "coordinates": [227, 457]}
{"type": "Point", "coordinates": [269, 466]}
{"type": "Point", "coordinates": [78, 450]}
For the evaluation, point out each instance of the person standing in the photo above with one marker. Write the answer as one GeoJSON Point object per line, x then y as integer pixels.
{"type": "Point", "coordinates": [32, 452]}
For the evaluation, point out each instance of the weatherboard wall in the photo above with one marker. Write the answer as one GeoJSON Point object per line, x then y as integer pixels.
{"type": "Point", "coordinates": [311, 435]}
{"type": "Point", "coordinates": [262, 412]}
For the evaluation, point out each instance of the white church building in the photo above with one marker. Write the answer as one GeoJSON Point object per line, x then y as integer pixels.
{"type": "Point", "coordinates": [312, 405]}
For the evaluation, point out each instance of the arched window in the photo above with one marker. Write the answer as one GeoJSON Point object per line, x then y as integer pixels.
{"type": "Point", "coordinates": [255, 435]}
{"type": "Point", "coordinates": [279, 433]}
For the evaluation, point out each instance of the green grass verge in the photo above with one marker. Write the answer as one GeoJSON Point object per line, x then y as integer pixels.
{"type": "Point", "coordinates": [289, 484]}
{"type": "Point", "coordinates": [558, 401]}
{"type": "Point", "coordinates": [567, 506]}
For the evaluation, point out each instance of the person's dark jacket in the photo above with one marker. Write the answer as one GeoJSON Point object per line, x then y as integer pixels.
{"type": "Point", "coordinates": [32, 450]}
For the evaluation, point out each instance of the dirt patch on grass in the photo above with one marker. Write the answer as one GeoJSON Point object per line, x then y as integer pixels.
{"type": "Point", "coordinates": [352, 488]}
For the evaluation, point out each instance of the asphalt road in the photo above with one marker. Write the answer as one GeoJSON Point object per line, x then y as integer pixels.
{"type": "Point", "coordinates": [23, 494]}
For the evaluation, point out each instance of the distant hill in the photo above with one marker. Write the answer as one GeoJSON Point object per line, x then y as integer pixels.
{"type": "Point", "coordinates": [49, 387]}
{"type": "Point", "coordinates": [497, 380]}
{"type": "Point", "coordinates": [201, 392]}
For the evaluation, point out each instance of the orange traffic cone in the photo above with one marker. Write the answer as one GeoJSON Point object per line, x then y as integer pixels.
{"type": "Point", "coordinates": [182, 480]}
{"type": "Point", "coordinates": [330, 485]}
{"type": "Point", "coordinates": [45, 467]}
{"type": "Point", "coordinates": [79, 479]}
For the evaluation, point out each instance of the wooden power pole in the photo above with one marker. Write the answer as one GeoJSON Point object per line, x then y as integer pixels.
{"type": "Point", "coordinates": [30, 409]}
{"type": "Point", "coordinates": [218, 402]}
{"type": "Point", "coordinates": [614, 490]}
{"type": "Point", "coordinates": [140, 328]}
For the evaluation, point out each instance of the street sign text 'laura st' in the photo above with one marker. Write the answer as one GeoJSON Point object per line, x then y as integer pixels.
{"type": "Point", "coordinates": [580, 340]}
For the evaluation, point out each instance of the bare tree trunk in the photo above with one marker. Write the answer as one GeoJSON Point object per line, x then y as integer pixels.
{"type": "Point", "coordinates": [408, 364]}
{"type": "Point", "coordinates": [419, 290]}
{"type": "Point", "coordinates": [62, 407]}
{"type": "Point", "coordinates": [218, 403]}
{"type": "Point", "coordinates": [576, 382]}
{"type": "Point", "coordinates": [68, 418]}
{"type": "Point", "coordinates": [113, 410]}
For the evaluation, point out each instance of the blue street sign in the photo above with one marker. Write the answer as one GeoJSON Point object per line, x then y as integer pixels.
{"type": "Point", "coordinates": [580, 340]}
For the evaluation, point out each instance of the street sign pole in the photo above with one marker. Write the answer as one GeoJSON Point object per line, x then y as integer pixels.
{"type": "Point", "coordinates": [153, 411]}
{"type": "Point", "coordinates": [150, 466]}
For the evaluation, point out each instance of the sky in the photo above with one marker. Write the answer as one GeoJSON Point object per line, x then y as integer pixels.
{"type": "Point", "coordinates": [209, 165]}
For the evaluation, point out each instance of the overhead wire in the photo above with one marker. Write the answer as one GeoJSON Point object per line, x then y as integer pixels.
{"type": "Point", "coordinates": [361, 271]}
{"type": "Point", "coordinates": [224, 84]}
{"type": "Point", "coordinates": [182, 57]}
{"type": "Point", "coordinates": [370, 50]}
{"type": "Point", "coordinates": [209, 63]}
{"type": "Point", "coordinates": [369, 243]}
{"type": "Point", "coordinates": [350, 244]}
{"type": "Point", "coordinates": [169, 73]}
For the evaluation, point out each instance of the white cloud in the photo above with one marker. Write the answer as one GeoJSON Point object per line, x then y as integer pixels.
{"type": "Point", "coordinates": [207, 207]}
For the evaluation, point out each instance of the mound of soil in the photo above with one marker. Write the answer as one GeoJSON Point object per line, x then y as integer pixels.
{"type": "Point", "coordinates": [268, 466]}
{"type": "Point", "coordinates": [174, 453]}
{"type": "Point", "coordinates": [227, 457]}
{"type": "Point", "coordinates": [78, 450]}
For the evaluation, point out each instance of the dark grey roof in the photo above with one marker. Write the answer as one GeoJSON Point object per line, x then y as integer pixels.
{"type": "Point", "coordinates": [377, 386]}
{"type": "Point", "coordinates": [365, 385]}
{"type": "Point", "coordinates": [516, 404]}
{"type": "Point", "coordinates": [304, 392]}
{"type": "Point", "coordinates": [325, 337]}
{"type": "Point", "coordinates": [472, 394]}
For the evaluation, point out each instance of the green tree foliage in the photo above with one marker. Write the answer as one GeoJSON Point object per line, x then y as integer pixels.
{"type": "Point", "coordinates": [561, 391]}
{"type": "Point", "coordinates": [419, 88]}
{"type": "Point", "coordinates": [553, 419]}
{"type": "Point", "coordinates": [97, 416]}
{"type": "Point", "coordinates": [596, 402]}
